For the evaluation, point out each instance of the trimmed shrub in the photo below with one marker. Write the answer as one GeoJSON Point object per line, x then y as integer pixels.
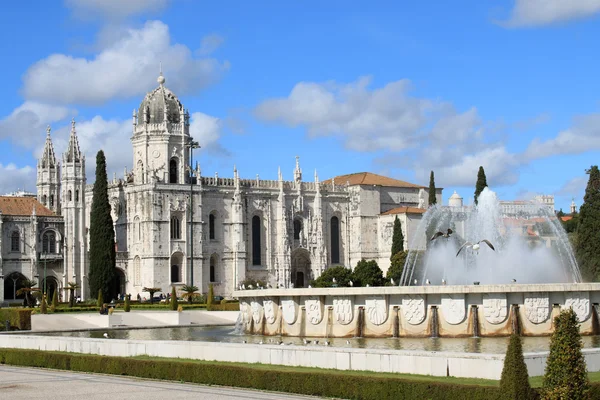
{"type": "Point", "coordinates": [173, 303]}
{"type": "Point", "coordinates": [514, 382]}
{"type": "Point", "coordinates": [43, 305]}
{"type": "Point", "coordinates": [127, 306]}
{"type": "Point", "coordinates": [566, 372]}
{"type": "Point", "coordinates": [396, 267]}
{"type": "Point", "coordinates": [224, 307]}
{"type": "Point", "coordinates": [341, 274]}
{"type": "Point", "coordinates": [18, 318]}
{"type": "Point", "coordinates": [54, 305]}
{"type": "Point", "coordinates": [211, 296]}
{"type": "Point", "coordinates": [100, 299]}
{"type": "Point", "coordinates": [367, 273]}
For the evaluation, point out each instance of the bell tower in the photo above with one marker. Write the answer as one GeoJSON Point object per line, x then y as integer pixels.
{"type": "Point", "coordinates": [48, 177]}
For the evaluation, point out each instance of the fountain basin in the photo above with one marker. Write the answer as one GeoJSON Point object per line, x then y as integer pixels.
{"type": "Point", "coordinates": [418, 311]}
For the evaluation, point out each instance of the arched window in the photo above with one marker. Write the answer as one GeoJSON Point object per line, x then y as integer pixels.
{"type": "Point", "coordinates": [44, 199]}
{"type": "Point", "coordinates": [335, 240]}
{"type": "Point", "coordinates": [297, 229]}
{"type": "Point", "coordinates": [137, 229]}
{"type": "Point", "coordinates": [175, 228]}
{"type": "Point", "coordinates": [76, 194]}
{"type": "Point", "coordinates": [213, 267]}
{"type": "Point", "coordinates": [175, 273]}
{"type": "Point", "coordinates": [15, 238]}
{"type": "Point", "coordinates": [173, 170]}
{"type": "Point", "coordinates": [256, 247]}
{"type": "Point", "coordinates": [49, 243]}
{"type": "Point", "coordinates": [51, 200]}
{"type": "Point", "coordinates": [211, 226]}
{"type": "Point", "coordinates": [137, 275]}
{"type": "Point", "coordinates": [69, 195]}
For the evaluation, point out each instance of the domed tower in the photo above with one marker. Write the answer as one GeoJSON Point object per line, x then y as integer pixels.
{"type": "Point", "coordinates": [455, 200]}
{"type": "Point", "coordinates": [48, 177]}
{"type": "Point", "coordinates": [161, 138]}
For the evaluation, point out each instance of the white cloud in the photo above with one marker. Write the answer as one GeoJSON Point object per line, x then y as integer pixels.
{"type": "Point", "coordinates": [544, 12]}
{"type": "Point", "coordinates": [574, 187]}
{"type": "Point", "coordinates": [113, 9]}
{"type": "Point", "coordinates": [127, 67]}
{"type": "Point", "coordinates": [26, 125]}
{"type": "Point", "coordinates": [210, 43]}
{"type": "Point", "coordinates": [13, 178]}
{"type": "Point", "coordinates": [583, 136]}
{"type": "Point", "coordinates": [383, 118]}
{"type": "Point", "coordinates": [205, 129]}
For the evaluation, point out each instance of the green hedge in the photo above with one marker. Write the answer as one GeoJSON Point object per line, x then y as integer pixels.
{"type": "Point", "coordinates": [311, 382]}
{"type": "Point", "coordinates": [20, 318]}
{"type": "Point", "coordinates": [224, 307]}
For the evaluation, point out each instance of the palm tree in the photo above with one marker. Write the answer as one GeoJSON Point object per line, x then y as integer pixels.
{"type": "Point", "coordinates": [28, 289]}
{"type": "Point", "coordinates": [151, 290]}
{"type": "Point", "coordinates": [71, 288]}
{"type": "Point", "coordinates": [190, 292]}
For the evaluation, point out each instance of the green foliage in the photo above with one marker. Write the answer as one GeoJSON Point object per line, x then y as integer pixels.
{"type": "Point", "coordinates": [397, 238]}
{"type": "Point", "coordinates": [396, 267]}
{"type": "Point", "coordinates": [367, 273]}
{"type": "Point", "coordinates": [432, 199]}
{"type": "Point", "coordinates": [224, 307]}
{"type": "Point", "coordinates": [191, 291]}
{"type": "Point", "coordinates": [102, 274]}
{"type": "Point", "coordinates": [71, 286]}
{"type": "Point", "coordinates": [100, 298]}
{"type": "Point", "coordinates": [481, 183]}
{"type": "Point", "coordinates": [514, 382]}
{"type": "Point", "coordinates": [588, 230]}
{"type": "Point", "coordinates": [18, 318]}
{"type": "Point", "coordinates": [313, 382]}
{"type": "Point", "coordinates": [54, 305]}
{"type": "Point", "coordinates": [173, 303]}
{"type": "Point", "coordinates": [151, 290]}
{"type": "Point", "coordinates": [211, 296]}
{"type": "Point", "coordinates": [566, 374]}
{"type": "Point", "coordinates": [572, 224]}
{"type": "Point", "coordinates": [44, 305]}
{"type": "Point", "coordinates": [127, 306]}
{"type": "Point", "coordinates": [29, 290]}
{"type": "Point", "coordinates": [560, 213]}
{"type": "Point", "coordinates": [341, 274]}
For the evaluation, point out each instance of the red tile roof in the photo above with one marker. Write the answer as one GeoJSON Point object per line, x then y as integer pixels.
{"type": "Point", "coordinates": [404, 210]}
{"type": "Point", "coordinates": [23, 206]}
{"type": "Point", "coordinates": [368, 178]}
{"type": "Point", "coordinates": [566, 218]}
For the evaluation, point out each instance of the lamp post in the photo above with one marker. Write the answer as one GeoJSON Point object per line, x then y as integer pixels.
{"type": "Point", "coordinates": [192, 145]}
{"type": "Point", "coordinates": [44, 255]}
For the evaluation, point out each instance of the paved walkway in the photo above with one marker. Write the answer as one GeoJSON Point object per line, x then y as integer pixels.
{"type": "Point", "coordinates": [19, 383]}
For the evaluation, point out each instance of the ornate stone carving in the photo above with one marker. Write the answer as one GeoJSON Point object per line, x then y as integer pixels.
{"type": "Point", "coordinates": [342, 310]}
{"type": "Point", "coordinates": [495, 307]}
{"type": "Point", "coordinates": [580, 303]}
{"type": "Point", "coordinates": [537, 307]}
{"type": "Point", "coordinates": [376, 307]}
{"type": "Point", "coordinates": [245, 312]}
{"type": "Point", "coordinates": [256, 311]}
{"type": "Point", "coordinates": [453, 308]}
{"type": "Point", "coordinates": [413, 307]}
{"type": "Point", "coordinates": [270, 310]}
{"type": "Point", "coordinates": [288, 310]}
{"type": "Point", "coordinates": [314, 312]}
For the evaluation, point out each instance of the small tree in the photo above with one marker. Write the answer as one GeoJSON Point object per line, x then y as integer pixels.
{"type": "Point", "coordinates": [566, 374]}
{"type": "Point", "coordinates": [191, 291]}
{"type": "Point", "coordinates": [151, 290]}
{"type": "Point", "coordinates": [397, 238]}
{"type": "Point", "coordinates": [44, 305]}
{"type": "Point", "coordinates": [341, 274]}
{"type": "Point", "coordinates": [29, 290]}
{"type": "Point", "coordinates": [100, 299]}
{"type": "Point", "coordinates": [211, 296]}
{"type": "Point", "coordinates": [367, 273]}
{"type": "Point", "coordinates": [514, 381]}
{"type": "Point", "coordinates": [588, 235]}
{"type": "Point", "coordinates": [127, 306]}
{"type": "Point", "coordinates": [396, 267]}
{"type": "Point", "coordinates": [173, 303]}
{"type": "Point", "coordinates": [54, 305]}
{"type": "Point", "coordinates": [71, 286]}
{"type": "Point", "coordinates": [432, 198]}
{"type": "Point", "coordinates": [481, 183]}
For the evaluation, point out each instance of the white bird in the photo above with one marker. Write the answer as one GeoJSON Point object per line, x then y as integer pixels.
{"type": "Point", "coordinates": [250, 287]}
{"type": "Point", "coordinates": [350, 283]}
{"type": "Point", "coordinates": [327, 343]}
{"type": "Point", "coordinates": [475, 246]}
{"type": "Point", "coordinates": [309, 286]}
{"type": "Point", "coordinates": [415, 281]}
{"type": "Point", "coordinates": [368, 285]}
{"type": "Point", "coordinates": [334, 280]}
{"type": "Point", "coordinates": [438, 234]}
{"type": "Point", "coordinates": [392, 282]}
{"type": "Point", "coordinates": [427, 282]}
{"type": "Point", "coordinates": [243, 287]}
{"type": "Point", "coordinates": [443, 281]}
{"type": "Point", "coordinates": [316, 342]}
{"type": "Point", "coordinates": [243, 341]}
{"type": "Point", "coordinates": [347, 342]}
{"type": "Point", "coordinates": [514, 281]}
{"type": "Point", "coordinates": [261, 342]}
{"type": "Point", "coordinates": [106, 335]}
{"type": "Point", "coordinates": [305, 341]}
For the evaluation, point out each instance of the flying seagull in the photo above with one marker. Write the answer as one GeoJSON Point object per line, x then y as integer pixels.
{"type": "Point", "coordinates": [475, 246]}
{"type": "Point", "coordinates": [438, 234]}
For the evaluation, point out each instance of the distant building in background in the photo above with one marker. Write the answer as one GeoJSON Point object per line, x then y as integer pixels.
{"type": "Point", "coordinates": [573, 207]}
{"type": "Point", "coordinates": [517, 207]}
{"type": "Point", "coordinates": [20, 193]}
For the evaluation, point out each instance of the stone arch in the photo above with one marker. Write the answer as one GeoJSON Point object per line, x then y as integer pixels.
{"type": "Point", "coordinates": [12, 283]}
{"type": "Point", "coordinates": [173, 170]}
{"type": "Point", "coordinates": [137, 229]}
{"type": "Point", "coordinates": [213, 268]}
{"type": "Point", "coordinates": [121, 285]}
{"type": "Point", "coordinates": [334, 239]}
{"type": "Point", "coordinates": [15, 240]}
{"type": "Point", "coordinates": [49, 285]}
{"type": "Point", "coordinates": [140, 172]}
{"type": "Point", "coordinates": [137, 274]}
{"type": "Point", "coordinates": [176, 267]}
{"type": "Point", "coordinates": [50, 241]}
{"type": "Point", "coordinates": [298, 226]}
{"type": "Point", "coordinates": [213, 219]}
{"type": "Point", "coordinates": [257, 233]}
{"type": "Point", "coordinates": [301, 268]}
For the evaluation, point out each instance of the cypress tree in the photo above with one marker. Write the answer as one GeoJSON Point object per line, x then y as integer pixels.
{"type": "Point", "coordinates": [432, 199]}
{"type": "Point", "coordinates": [566, 374]}
{"type": "Point", "coordinates": [514, 381]}
{"type": "Point", "coordinates": [54, 305]}
{"type": "Point", "coordinates": [102, 236]}
{"type": "Point", "coordinates": [397, 238]}
{"type": "Point", "coordinates": [481, 183]}
{"type": "Point", "coordinates": [100, 299]}
{"type": "Point", "coordinates": [588, 233]}
{"type": "Point", "coordinates": [211, 296]}
{"type": "Point", "coordinates": [127, 306]}
{"type": "Point", "coordinates": [173, 303]}
{"type": "Point", "coordinates": [44, 305]}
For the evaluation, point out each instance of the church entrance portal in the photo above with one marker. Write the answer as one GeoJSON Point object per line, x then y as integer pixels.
{"type": "Point", "coordinates": [301, 272]}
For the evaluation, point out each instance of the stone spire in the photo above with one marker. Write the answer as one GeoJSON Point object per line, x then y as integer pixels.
{"type": "Point", "coordinates": [573, 206]}
{"type": "Point", "coordinates": [48, 157]}
{"type": "Point", "coordinates": [297, 171]}
{"type": "Point", "coordinates": [73, 152]}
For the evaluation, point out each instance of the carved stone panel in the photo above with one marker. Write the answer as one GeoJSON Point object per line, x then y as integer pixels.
{"type": "Point", "coordinates": [270, 308]}
{"type": "Point", "coordinates": [256, 311]}
{"type": "Point", "coordinates": [288, 310]}
{"type": "Point", "coordinates": [495, 307]}
{"type": "Point", "coordinates": [245, 312]}
{"type": "Point", "coordinates": [314, 310]}
{"type": "Point", "coordinates": [537, 307]}
{"type": "Point", "coordinates": [580, 303]}
{"type": "Point", "coordinates": [376, 307]}
{"type": "Point", "coordinates": [453, 308]}
{"type": "Point", "coordinates": [413, 307]}
{"type": "Point", "coordinates": [342, 310]}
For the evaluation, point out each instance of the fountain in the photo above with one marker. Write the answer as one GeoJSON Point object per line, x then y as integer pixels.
{"type": "Point", "coordinates": [516, 287]}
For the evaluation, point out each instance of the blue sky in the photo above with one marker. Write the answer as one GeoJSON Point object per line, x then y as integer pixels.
{"type": "Point", "coordinates": [393, 88]}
